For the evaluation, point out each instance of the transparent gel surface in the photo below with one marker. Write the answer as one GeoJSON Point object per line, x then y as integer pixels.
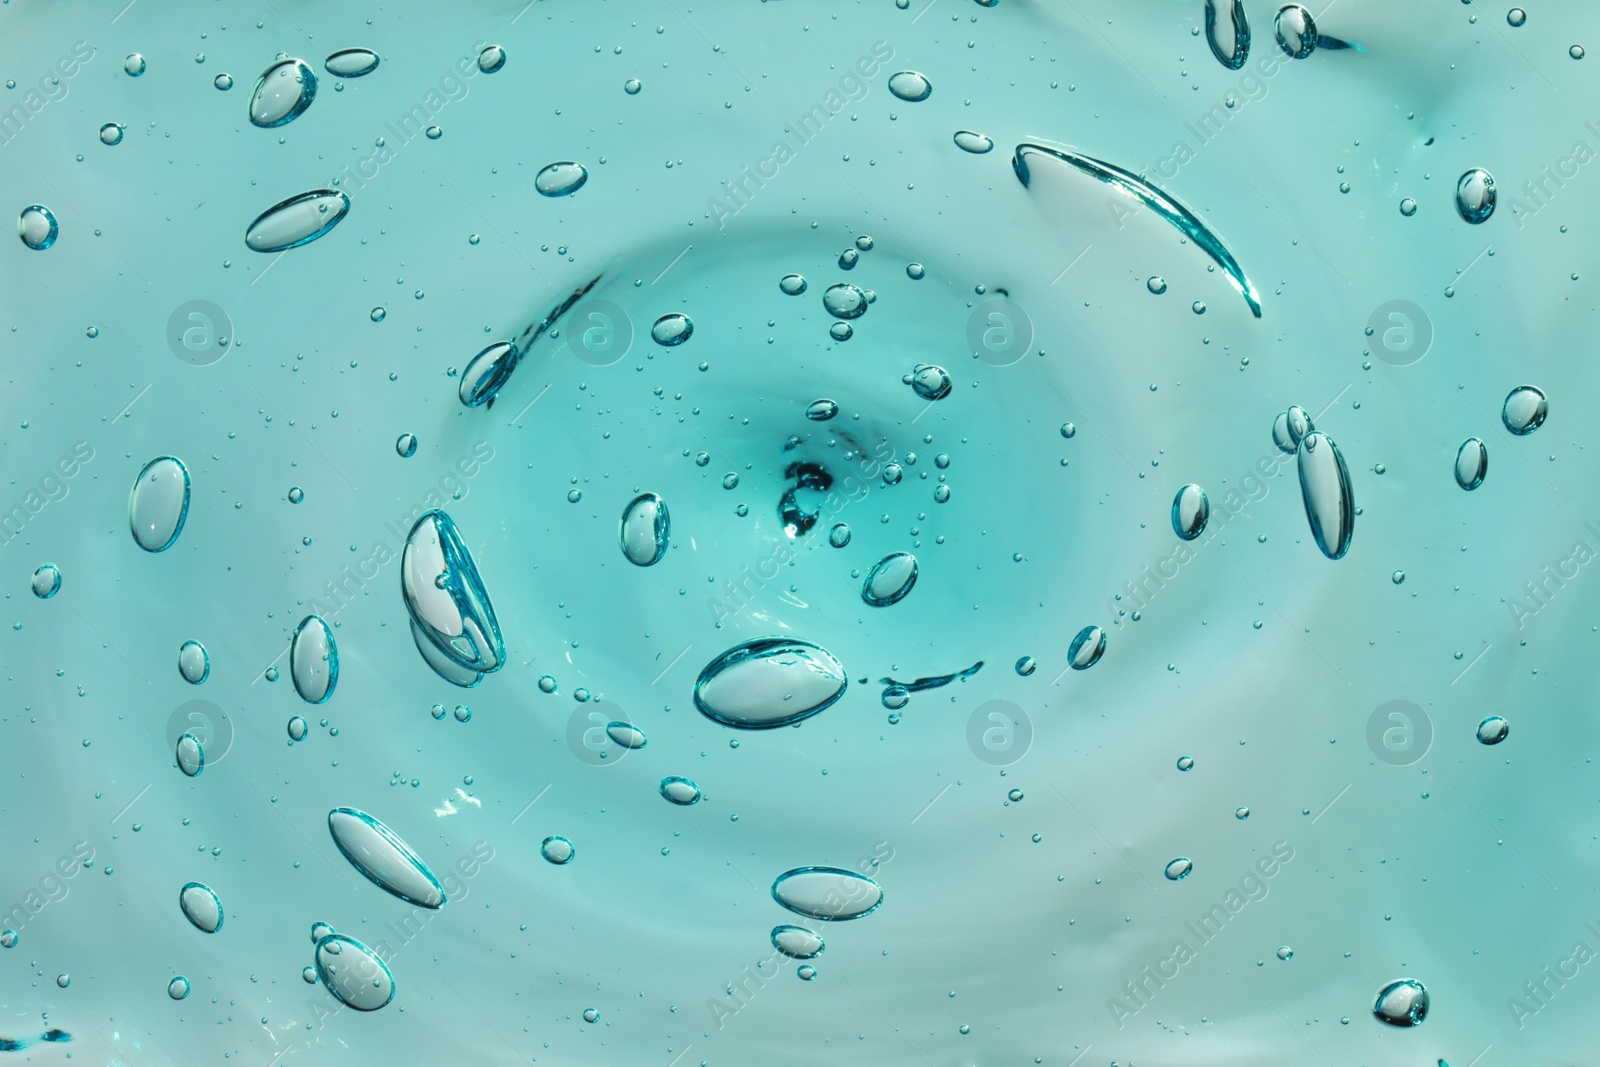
{"type": "Point", "coordinates": [899, 533]}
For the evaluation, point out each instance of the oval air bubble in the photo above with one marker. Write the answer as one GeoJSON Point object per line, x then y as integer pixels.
{"type": "Point", "coordinates": [314, 660]}
{"type": "Point", "coordinates": [930, 382]}
{"type": "Point", "coordinates": [46, 581]}
{"type": "Point", "coordinates": [445, 595]}
{"type": "Point", "coordinates": [194, 662]}
{"type": "Point", "coordinates": [1493, 730]}
{"type": "Point", "coordinates": [1475, 195]}
{"type": "Point", "coordinates": [769, 682]}
{"type": "Point", "coordinates": [646, 530]}
{"type": "Point", "coordinates": [487, 372]}
{"type": "Point", "coordinates": [178, 988]}
{"type": "Point", "coordinates": [201, 906]}
{"type": "Point", "coordinates": [791, 285]}
{"type": "Point", "coordinates": [1299, 423]}
{"type": "Point", "coordinates": [1524, 410]}
{"type": "Point", "coordinates": [351, 62]}
{"type": "Point", "coordinates": [296, 221]}
{"type": "Point", "coordinates": [1281, 436]}
{"type": "Point", "coordinates": [1325, 488]}
{"type": "Point", "coordinates": [560, 179]}
{"type": "Point", "coordinates": [976, 143]}
{"type": "Point", "coordinates": [1402, 1003]}
{"type": "Point", "coordinates": [1087, 648]}
{"type": "Point", "coordinates": [910, 86]}
{"type": "Point", "coordinates": [626, 734]}
{"type": "Point", "coordinates": [386, 861]}
{"type": "Point", "coordinates": [37, 227]}
{"type": "Point", "coordinates": [822, 410]}
{"type": "Point", "coordinates": [681, 791]}
{"type": "Point", "coordinates": [1190, 510]}
{"type": "Point", "coordinates": [491, 59]}
{"type": "Point", "coordinates": [191, 755]}
{"type": "Point", "coordinates": [890, 579]}
{"type": "Point", "coordinates": [558, 850]}
{"type": "Point", "coordinates": [282, 93]}
{"type": "Point", "coordinates": [442, 664]}
{"type": "Point", "coordinates": [827, 893]}
{"type": "Point", "coordinates": [844, 301]}
{"type": "Point", "coordinates": [797, 942]}
{"type": "Point", "coordinates": [671, 330]}
{"type": "Point", "coordinates": [159, 503]}
{"type": "Point", "coordinates": [353, 972]}
{"type": "Point", "coordinates": [1472, 463]}
{"type": "Point", "coordinates": [1179, 868]}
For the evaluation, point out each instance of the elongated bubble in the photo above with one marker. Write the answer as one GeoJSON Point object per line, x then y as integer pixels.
{"type": "Point", "coordinates": [159, 503]}
{"type": "Point", "coordinates": [645, 530]}
{"type": "Point", "coordinates": [1190, 510]}
{"type": "Point", "coordinates": [1150, 196]}
{"type": "Point", "coordinates": [387, 861]}
{"type": "Point", "coordinates": [1472, 463]}
{"type": "Point", "coordinates": [314, 660]}
{"type": "Point", "coordinates": [827, 893]}
{"type": "Point", "coordinates": [769, 682]}
{"type": "Point", "coordinates": [1231, 57]}
{"type": "Point", "coordinates": [1325, 488]}
{"type": "Point", "coordinates": [353, 972]}
{"type": "Point", "coordinates": [282, 93]}
{"type": "Point", "coordinates": [797, 942]}
{"type": "Point", "coordinates": [201, 906]}
{"type": "Point", "coordinates": [296, 221]}
{"type": "Point", "coordinates": [487, 373]}
{"type": "Point", "coordinates": [446, 597]}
